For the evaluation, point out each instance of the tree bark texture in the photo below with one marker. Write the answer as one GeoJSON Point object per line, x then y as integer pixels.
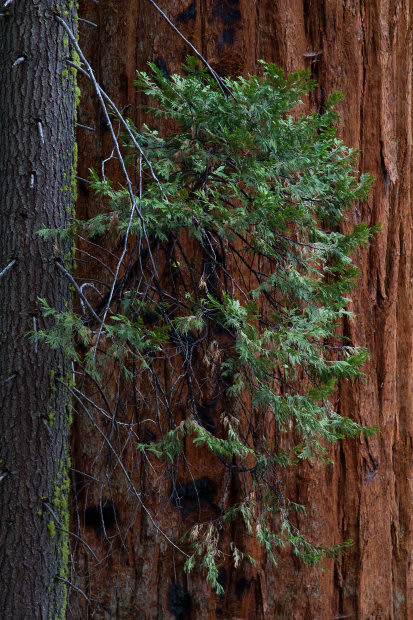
{"type": "Point", "coordinates": [37, 112]}
{"type": "Point", "coordinates": [364, 49]}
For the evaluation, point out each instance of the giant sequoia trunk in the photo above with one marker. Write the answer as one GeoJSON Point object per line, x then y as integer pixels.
{"type": "Point", "coordinates": [37, 111]}
{"type": "Point", "coordinates": [364, 49]}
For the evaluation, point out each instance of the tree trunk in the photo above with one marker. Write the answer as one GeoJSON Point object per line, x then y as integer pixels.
{"type": "Point", "coordinates": [37, 111]}
{"type": "Point", "coordinates": [365, 50]}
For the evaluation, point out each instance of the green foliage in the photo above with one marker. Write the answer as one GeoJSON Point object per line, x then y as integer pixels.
{"type": "Point", "coordinates": [260, 190]}
{"type": "Point", "coordinates": [67, 326]}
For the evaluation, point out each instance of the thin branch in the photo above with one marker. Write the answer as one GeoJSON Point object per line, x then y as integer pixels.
{"type": "Point", "coordinates": [128, 478]}
{"type": "Point", "coordinates": [83, 473]}
{"type": "Point", "coordinates": [78, 289]}
{"type": "Point", "coordinates": [84, 127]}
{"type": "Point", "coordinates": [60, 527]}
{"type": "Point", "coordinates": [10, 378]}
{"type": "Point", "coordinates": [223, 87]}
{"type": "Point", "coordinates": [96, 259]}
{"type": "Point", "coordinates": [71, 585]}
{"type": "Point", "coordinates": [82, 19]}
{"type": "Point", "coordinates": [7, 268]}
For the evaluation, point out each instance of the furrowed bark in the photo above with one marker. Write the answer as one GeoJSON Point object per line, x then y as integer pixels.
{"type": "Point", "coordinates": [365, 50]}
{"type": "Point", "coordinates": [37, 168]}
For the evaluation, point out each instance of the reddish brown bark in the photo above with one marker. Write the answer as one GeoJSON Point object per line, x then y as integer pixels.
{"type": "Point", "coordinates": [364, 49]}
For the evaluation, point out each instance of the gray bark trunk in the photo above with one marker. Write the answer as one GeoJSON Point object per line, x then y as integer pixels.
{"type": "Point", "coordinates": [37, 112]}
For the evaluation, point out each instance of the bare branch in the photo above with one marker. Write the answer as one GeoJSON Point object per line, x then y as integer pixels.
{"type": "Point", "coordinates": [78, 289]}
{"type": "Point", "coordinates": [224, 88]}
{"type": "Point", "coordinates": [71, 585]}
{"type": "Point", "coordinates": [60, 527]}
{"type": "Point", "coordinates": [128, 478]}
{"type": "Point", "coordinates": [86, 21]}
{"type": "Point", "coordinates": [7, 268]}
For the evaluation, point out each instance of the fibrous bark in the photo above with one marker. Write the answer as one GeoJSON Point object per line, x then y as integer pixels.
{"type": "Point", "coordinates": [37, 111]}
{"type": "Point", "coordinates": [365, 50]}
